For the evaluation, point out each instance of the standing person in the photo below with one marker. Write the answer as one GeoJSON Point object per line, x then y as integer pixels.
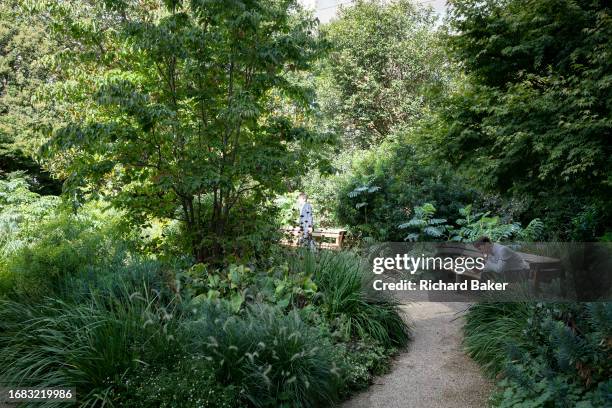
{"type": "Point", "coordinates": [502, 260]}
{"type": "Point", "coordinates": [306, 220]}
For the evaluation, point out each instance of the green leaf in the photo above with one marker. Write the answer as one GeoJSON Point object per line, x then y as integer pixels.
{"type": "Point", "coordinates": [236, 301]}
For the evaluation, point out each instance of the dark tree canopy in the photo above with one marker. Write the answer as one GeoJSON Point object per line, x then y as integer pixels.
{"type": "Point", "coordinates": [534, 118]}
{"type": "Point", "coordinates": [24, 72]}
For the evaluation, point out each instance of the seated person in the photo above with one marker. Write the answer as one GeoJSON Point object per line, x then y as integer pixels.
{"type": "Point", "coordinates": [502, 260]}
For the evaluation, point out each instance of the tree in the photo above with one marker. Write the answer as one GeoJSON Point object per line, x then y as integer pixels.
{"type": "Point", "coordinates": [533, 118]}
{"type": "Point", "coordinates": [24, 45]}
{"type": "Point", "coordinates": [187, 110]}
{"type": "Point", "coordinates": [385, 58]}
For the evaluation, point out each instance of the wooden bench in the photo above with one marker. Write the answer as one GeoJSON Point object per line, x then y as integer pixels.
{"type": "Point", "coordinates": [325, 238]}
{"type": "Point", "coordinates": [541, 268]}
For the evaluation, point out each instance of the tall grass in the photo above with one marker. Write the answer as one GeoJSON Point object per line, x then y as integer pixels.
{"type": "Point", "coordinates": [492, 328]}
{"type": "Point", "coordinates": [349, 299]}
{"type": "Point", "coordinates": [90, 345]}
{"type": "Point", "coordinates": [276, 359]}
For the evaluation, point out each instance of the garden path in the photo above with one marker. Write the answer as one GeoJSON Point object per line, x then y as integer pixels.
{"type": "Point", "coordinates": [434, 372]}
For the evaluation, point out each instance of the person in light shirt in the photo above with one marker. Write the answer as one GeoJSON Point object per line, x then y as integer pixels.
{"type": "Point", "coordinates": [502, 260]}
{"type": "Point", "coordinates": [306, 220]}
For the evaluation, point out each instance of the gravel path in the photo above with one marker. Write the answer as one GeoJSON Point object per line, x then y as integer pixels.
{"type": "Point", "coordinates": [434, 372]}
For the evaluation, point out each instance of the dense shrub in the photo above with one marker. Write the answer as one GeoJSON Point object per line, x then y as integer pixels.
{"type": "Point", "coordinates": [276, 360]}
{"type": "Point", "coordinates": [63, 246]}
{"type": "Point", "coordinates": [425, 225]}
{"type": "Point", "coordinates": [384, 185]}
{"type": "Point", "coordinates": [527, 64]}
{"type": "Point", "coordinates": [42, 245]}
{"type": "Point", "coordinates": [348, 300]}
{"type": "Point", "coordinates": [362, 360]}
{"type": "Point", "coordinates": [549, 355]}
{"type": "Point", "coordinates": [20, 210]}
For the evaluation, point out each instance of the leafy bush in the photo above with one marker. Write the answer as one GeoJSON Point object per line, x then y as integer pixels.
{"type": "Point", "coordinates": [61, 247]}
{"type": "Point", "coordinates": [474, 225]}
{"type": "Point", "coordinates": [397, 177]}
{"type": "Point", "coordinates": [426, 226]}
{"type": "Point", "coordinates": [424, 221]}
{"type": "Point", "coordinates": [362, 360]}
{"type": "Point", "coordinates": [285, 287]}
{"type": "Point", "coordinates": [20, 209]}
{"type": "Point", "coordinates": [239, 283]}
{"type": "Point", "coordinates": [503, 127]}
{"type": "Point", "coordinates": [348, 300]}
{"type": "Point", "coordinates": [550, 355]}
{"type": "Point", "coordinates": [276, 360]}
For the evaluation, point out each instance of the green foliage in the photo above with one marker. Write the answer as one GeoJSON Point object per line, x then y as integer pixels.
{"type": "Point", "coordinates": [490, 328]}
{"type": "Point", "coordinates": [24, 72]}
{"type": "Point", "coordinates": [469, 228]}
{"type": "Point", "coordinates": [67, 248]}
{"type": "Point", "coordinates": [377, 88]}
{"type": "Point", "coordinates": [480, 224]}
{"type": "Point", "coordinates": [423, 221]}
{"type": "Point", "coordinates": [20, 211]}
{"type": "Point", "coordinates": [472, 226]}
{"type": "Point", "coordinates": [61, 250]}
{"type": "Point", "coordinates": [348, 301]}
{"type": "Point", "coordinates": [285, 287]}
{"type": "Point", "coordinates": [405, 178]}
{"type": "Point", "coordinates": [276, 359]}
{"type": "Point", "coordinates": [550, 355]}
{"type": "Point", "coordinates": [193, 111]}
{"type": "Point", "coordinates": [288, 208]}
{"type": "Point", "coordinates": [123, 339]}
{"type": "Point", "coordinates": [505, 123]}
{"type": "Point", "coordinates": [189, 383]}
{"type": "Point", "coordinates": [384, 59]}
{"type": "Point", "coordinates": [201, 283]}
{"type": "Point", "coordinates": [91, 345]}
{"type": "Point", "coordinates": [238, 284]}
{"type": "Point", "coordinates": [362, 361]}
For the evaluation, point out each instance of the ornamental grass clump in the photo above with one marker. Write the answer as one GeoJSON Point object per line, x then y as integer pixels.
{"type": "Point", "coordinates": [348, 300]}
{"type": "Point", "coordinates": [489, 330]}
{"type": "Point", "coordinates": [276, 359]}
{"type": "Point", "coordinates": [91, 345]}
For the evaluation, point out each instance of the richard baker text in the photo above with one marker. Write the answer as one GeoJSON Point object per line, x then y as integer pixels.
{"type": "Point", "coordinates": [427, 285]}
